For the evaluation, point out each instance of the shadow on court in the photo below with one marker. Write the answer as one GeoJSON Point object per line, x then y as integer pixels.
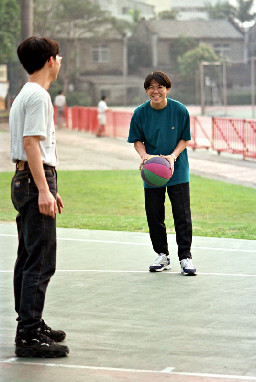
{"type": "Point", "coordinates": [126, 324]}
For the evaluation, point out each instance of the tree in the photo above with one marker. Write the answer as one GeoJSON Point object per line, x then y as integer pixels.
{"type": "Point", "coordinates": [68, 21]}
{"type": "Point", "coordinates": [168, 15]}
{"type": "Point", "coordinates": [9, 29]}
{"type": "Point", "coordinates": [243, 10]}
{"type": "Point", "coordinates": [189, 62]}
{"type": "Point", "coordinates": [135, 15]}
{"type": "Point", "coordinates": [180, 46]}
{"type": "Point", "coordinates": [221, 10]}
{"type": "Point", "coordinates": [138, 56]}
{"type": "Point", "coordinates": [44, 23]}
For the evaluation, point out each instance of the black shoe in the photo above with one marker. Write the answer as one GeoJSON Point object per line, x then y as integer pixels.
{"type": "Point", "coordinates": [55, 335]}
{"type": "Point", "coordinates": [32, 343]}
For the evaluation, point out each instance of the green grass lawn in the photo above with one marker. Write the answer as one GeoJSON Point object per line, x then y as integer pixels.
{"type": "Point", "coordinates": [114, 200]}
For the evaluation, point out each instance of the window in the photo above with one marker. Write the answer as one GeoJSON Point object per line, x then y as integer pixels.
{"type": "Point", "coordinates": [100, 53]}
{"type": "Point", "coordinates": [222, 49]}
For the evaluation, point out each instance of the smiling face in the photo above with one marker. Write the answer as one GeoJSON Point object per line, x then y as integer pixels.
{"type": "Point", "coordinates": [157, 94]}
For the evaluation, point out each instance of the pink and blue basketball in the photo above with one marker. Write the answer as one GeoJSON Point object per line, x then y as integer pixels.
{"type": "Point", "coordinates": [156, 171]}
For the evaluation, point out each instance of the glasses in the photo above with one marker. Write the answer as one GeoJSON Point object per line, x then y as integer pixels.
{"type": "Point", "coordinates": [159, 88]}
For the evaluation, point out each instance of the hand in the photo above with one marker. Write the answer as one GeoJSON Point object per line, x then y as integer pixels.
{"type": "Point", "coordinates": [145, 157]}
{"type": "Point", "coordinates": [60, 204]}
{"type": "Point", "coordinates": [170, 159]}
{"type": "Point", "coordinates": [47, 204]}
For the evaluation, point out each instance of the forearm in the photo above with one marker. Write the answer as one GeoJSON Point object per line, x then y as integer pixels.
{"type": "Point", "coordinates": [32, 149]}
{"type": "Point", "coordinates": [46, 201]}
{"type": "Point", "coordinates": [180, 147]}
{"type": "Point", "coordinates": [140, 148]}
{"type": "Point", "coordinates": [176, 152]}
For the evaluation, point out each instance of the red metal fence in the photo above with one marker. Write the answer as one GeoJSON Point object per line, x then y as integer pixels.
{"type": "Point", "coordinates": [200, 135]}
{"type": "Point", "coordinates": [234, 135]}
{"type": "Point", "coordinates": [221, 134]}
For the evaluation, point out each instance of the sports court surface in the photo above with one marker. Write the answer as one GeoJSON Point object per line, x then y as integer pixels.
{"type": "Point", "coordinates": [126, 324]}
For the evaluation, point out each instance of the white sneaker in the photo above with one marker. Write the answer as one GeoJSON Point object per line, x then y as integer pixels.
{"type": "Point", "coordinates": [187, 267]}
{"type": "Point", "coordinates": [161, 263]}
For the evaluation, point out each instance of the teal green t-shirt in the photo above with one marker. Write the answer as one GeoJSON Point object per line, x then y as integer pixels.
{"type": "Point", "coordinates": [160, 131]}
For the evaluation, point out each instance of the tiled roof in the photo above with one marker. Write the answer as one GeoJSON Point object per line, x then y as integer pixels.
{"type": "Point", "coordinates": [194, 28]}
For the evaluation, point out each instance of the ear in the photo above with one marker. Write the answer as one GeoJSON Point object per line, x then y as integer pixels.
{"type": "Point", "coordinates": [51, 61]}
{"type": "Point", "coordinates": [168, 90]}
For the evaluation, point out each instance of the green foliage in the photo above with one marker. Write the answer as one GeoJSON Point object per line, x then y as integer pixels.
{"type": "Point", "coordinates": [43, 21]}
{"type": "Point", "coordinates": [9, 29]}
{"type": "Point", "coordinates": [180, 46]}
{"type": "Point", "coordinates": [241, 97]}
{"type": "Point", "coordinates": [220, 10]}
{"type": "Point", "coordinates": [135, 15]}
{"type": "Point", "coordinates": [223, 10]}
{"type": "Point", "coordinates": [77, 13]}
{"type": "Point", "coordinates": [138, 55]}
{"type": "Point", "coordinates": [114, 200]}
{"type": "Point", "coordinates": [168, 15]}
{"type": "Point", "coordinates": [242, 10]}
{"type": "Point", "coordinates": [78, 99]}
{"type": "Point", "coordinates": [189, 62]}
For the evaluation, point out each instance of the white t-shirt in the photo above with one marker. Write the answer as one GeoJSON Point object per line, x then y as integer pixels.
{"type": "Point", "coordinates": [60, 100]}
{"type": "Point", "coordinates": [32, 115]}
{"type": "Point", "coordinates": [102, 107]}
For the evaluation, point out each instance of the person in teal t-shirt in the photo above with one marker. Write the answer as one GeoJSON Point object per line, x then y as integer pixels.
{"type": "Point", "coordinates": [161, 126]}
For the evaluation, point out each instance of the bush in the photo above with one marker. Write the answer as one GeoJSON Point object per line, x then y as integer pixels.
{"type": "Point", "coordinates": [78, 99]}
{"type": "Point", "coordinates": [239, 98]}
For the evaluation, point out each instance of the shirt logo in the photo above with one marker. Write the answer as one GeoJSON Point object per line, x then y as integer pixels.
{"type": "Point", "coordinates": [173, 127]}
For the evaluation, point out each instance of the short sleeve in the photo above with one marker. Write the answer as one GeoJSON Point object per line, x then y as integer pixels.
{"type": "Point", "coordinates": [136, 130]}
{"type": "Point", "coordinates": [35, 123]}
{"type": "Point", "coordinates": [185, 134]}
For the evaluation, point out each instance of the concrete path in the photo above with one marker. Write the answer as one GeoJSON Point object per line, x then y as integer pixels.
{"type": "Point", "coordinates": [83, 151]}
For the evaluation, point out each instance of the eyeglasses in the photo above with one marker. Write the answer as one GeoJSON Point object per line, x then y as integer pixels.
{"type": "Point", "coordinates": [159, 88]}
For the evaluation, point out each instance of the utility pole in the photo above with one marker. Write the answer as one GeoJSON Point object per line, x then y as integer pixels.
{"type": "Point", "coordinates": [26, 25]}
{"type": "Point", "coordinates": [202, 87]}
{"type": "Point", "coordinates": [224, 79]}
{"type": "Point", "coordinates": [253, 85]}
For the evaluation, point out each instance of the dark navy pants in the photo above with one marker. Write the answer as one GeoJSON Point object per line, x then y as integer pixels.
{"type": "Point", "coordinates": [155, 210]}
{"type": "Point", "coordinates": [36, 259]}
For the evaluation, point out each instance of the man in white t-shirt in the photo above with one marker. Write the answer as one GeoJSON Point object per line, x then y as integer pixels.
{"type": "Point", "coordinates": [102, 108]}
{"type": "Point", "coordinates": [60, 103]}
{"type": "Point", "coordinates": [34, 195]}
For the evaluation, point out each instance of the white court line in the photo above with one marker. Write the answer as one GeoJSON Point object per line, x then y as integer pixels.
{"type": "Point", "coordinates": [123, 271]}
{"type": "Point", "coordinates": [168, 370]}
{"type": "Point", "coordinates": [143, 244]}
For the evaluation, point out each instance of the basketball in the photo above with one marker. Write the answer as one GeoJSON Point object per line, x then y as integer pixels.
{"type": "Point", "coordinates": [156, 171]}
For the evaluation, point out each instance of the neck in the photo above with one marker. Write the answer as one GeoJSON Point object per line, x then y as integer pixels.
{"type": "Point", "coordinates": [41, 79]}
{"type": "Point", "coordinates": [159, 106]}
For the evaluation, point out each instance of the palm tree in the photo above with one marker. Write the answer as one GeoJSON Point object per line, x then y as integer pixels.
{"type": "Point", "coordinates": [242, 11]}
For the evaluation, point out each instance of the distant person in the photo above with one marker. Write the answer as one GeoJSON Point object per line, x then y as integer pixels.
{"type": "Point", "coordinates": [35, 197]}
{"type": "Point", "coordinates": [102, 108]}
{"type": "Point", "coordinates": [60, 103]}
{"type": "Point", "coordinates": [161, 126]}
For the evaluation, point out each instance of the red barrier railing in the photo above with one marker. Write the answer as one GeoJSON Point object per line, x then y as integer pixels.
{"type": "Point", "coordinates": [234, 135]}
{"type": "Point", "coordinates": [200, 139]}
{"type": "Point", "coordinates": [221, 134]}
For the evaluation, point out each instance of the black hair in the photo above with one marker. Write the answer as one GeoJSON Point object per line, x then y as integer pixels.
{"type": "Point", "coordinates": [35, 51]}
{"type": "Point", "coordinates": [160, 77]}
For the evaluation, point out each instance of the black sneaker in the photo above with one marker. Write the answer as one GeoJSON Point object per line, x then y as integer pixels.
{"type": "Point", "coordinates": [55, 335]}
{"type": "Point", "coordinates": [32, 343]}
